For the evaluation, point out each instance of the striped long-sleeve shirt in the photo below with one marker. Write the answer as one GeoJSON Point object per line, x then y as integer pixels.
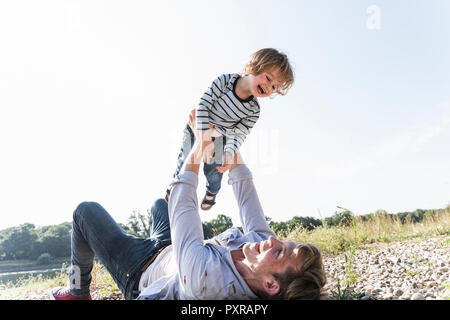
{"type": "Point", "coordinates": [231, 116]}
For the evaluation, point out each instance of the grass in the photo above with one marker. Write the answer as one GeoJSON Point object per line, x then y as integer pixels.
{"type": "Point", "coordinates": [382, 228]}
{"type": "Point", "coordinates": [32, 285]}
{"type": "Point", "coordinates": [350, 278]}
{"type": "Point", "coordinates": [446, 294]}
{"type": "Point", "coordinates": [102, 282]}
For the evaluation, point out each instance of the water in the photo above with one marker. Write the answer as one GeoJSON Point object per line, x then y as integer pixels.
{"type": "Point", "coordinates": [13, 277]}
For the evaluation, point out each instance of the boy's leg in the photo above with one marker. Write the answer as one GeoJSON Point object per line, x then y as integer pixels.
{"type": "Point", "coordinates": [214, 177]}
{"type": "Point", "coordinates": [94, 232]}
{"type": "Point", "coordinates": [188, 142]}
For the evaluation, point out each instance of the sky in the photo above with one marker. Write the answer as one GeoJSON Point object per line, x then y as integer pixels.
{"type": "Point", "coordinates": [94, 96]}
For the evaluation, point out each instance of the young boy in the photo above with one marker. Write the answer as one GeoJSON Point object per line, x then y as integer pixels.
{"type": "Point", "coordinates": [229, 109]}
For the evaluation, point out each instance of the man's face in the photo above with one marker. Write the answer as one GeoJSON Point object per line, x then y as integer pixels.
{"type": "Point", "coordinates": [271, 256]}
{"type": "Point", "coordinates": [264, 84]}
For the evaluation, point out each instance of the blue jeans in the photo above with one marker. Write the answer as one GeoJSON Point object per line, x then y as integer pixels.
{"type": "Point", "coordinates": [213, 177]}
{"type": "Point", "coordinates": [95, 233]}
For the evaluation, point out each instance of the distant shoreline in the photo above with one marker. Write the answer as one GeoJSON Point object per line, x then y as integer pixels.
{"type": "Point", "coordinates": [6, 269]}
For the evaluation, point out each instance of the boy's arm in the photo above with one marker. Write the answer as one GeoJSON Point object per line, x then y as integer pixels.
{"type": "Point", "coordinates": [211, 95]}
{"type": "Point", "coordinates": [235, 139]}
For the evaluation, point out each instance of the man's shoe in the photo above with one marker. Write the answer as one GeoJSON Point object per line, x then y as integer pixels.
{"type": "Point", "coordinates": [63, 293]}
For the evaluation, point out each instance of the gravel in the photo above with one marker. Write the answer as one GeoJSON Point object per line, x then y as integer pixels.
{"type": "Point", "coordinates": [416, 269]}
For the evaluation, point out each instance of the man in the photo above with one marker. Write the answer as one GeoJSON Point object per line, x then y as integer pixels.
{"type": "Point", "coordinates": [177, 263]}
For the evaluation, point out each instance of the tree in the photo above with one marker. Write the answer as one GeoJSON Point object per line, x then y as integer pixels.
{"type": "Point", "coordinates": [138, 224]}
{"type": "Point", "coordinates": [17, 243]}
{"type": "Point", "coordinates": [55, 240]}
{"type": "Point", "coordinates": [44, 258]}
{"type": "Point", "coordinates": [283, 228]}
{"type": "Point", "coordinates": [308, 223]}
{"type": "Point", "coordinates": [343, 218]}
{"type": "Point", "coordinates": [216, 226]}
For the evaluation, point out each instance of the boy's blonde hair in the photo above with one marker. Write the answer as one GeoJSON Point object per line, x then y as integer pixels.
{"type": "Point", "coordinates": [270, 59]}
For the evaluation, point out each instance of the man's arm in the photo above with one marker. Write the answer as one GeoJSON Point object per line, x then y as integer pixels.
{"type": "Point", "coordinates": [250, 210]}
{"type": "Point", "coordinates": [186, 227]}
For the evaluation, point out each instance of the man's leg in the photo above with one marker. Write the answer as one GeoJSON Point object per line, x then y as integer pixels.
{"type": "Point", "coordinates": [160, 225]}
{"type": "Point", "coordinates": [95, 232]}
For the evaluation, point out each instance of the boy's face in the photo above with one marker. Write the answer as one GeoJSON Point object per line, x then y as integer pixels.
{"type": "Point", "coordinates": [264, 84]}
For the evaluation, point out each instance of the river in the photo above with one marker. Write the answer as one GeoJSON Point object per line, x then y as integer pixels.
{"type": "Point", "coordinates": [13, 277]}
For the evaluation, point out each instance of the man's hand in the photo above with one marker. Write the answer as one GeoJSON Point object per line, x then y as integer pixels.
{"type": "Point", "coordinates": [206, 144]}
{"type": "Point", "coordinates": [203, 149]}
{"type": "Point", "coordinates": [200, 149]}
{"type": "Point", "coordinates": [227, 161]}
{"type": "Point", "coordinates": [191, 121]}
{"type": "Point", "coordinates": [230, 164]}
{"type": "Point", "coordinates": [203, 137]}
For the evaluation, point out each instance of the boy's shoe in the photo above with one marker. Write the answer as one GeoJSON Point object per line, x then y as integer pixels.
{"type": "Point", "coordinates": [63, 293]}
{"type": "Point", "coordinates": [208, 203]}
{"type": "Point", "coordinates": [167, 197]}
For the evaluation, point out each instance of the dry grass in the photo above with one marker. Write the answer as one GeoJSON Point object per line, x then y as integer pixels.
{"type": "Point", "coordinates": [102, 282]}
{"type": "Point", "coordinates": [382, 228]}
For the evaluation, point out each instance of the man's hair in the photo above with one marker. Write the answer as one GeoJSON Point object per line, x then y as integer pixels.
{"type": "Point", "coordinates": [269, 59]}
{"type": "Point", "coordinates": [306, 283]}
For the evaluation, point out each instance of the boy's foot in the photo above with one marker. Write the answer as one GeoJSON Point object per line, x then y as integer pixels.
{"type": "Point", "coordinates": [63, 293]}
{"type": "Point", "coordinates": [167, 197]}
{"type": "Point", "coordinates": [208, 200]}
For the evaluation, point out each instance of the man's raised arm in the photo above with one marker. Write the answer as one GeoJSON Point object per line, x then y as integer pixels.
{"type": "Point", "coordinates": [185, 223]}
{"type": "Point", "coordinates": [250, 210]}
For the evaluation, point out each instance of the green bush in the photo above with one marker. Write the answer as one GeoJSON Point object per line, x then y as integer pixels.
{"type": "Point", "coordinates": [44, 258]}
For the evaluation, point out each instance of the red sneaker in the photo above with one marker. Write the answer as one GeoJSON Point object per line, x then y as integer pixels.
{"type": "Point", "coordinates": [63, 293]}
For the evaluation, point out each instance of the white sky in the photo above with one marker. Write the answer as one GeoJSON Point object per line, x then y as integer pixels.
{"type": "Point", "coordinates": [94, 96]}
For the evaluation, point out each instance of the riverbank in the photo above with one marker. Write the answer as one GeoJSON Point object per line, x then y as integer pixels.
{"type": "Point", "coordinates": [30, 265]}
{"type": "Point", "coordinates": [38, 287]}
{"type": "Point", "coordinates": [379, 259]}
{"type": "Point", "coordinates": [414, 269]}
